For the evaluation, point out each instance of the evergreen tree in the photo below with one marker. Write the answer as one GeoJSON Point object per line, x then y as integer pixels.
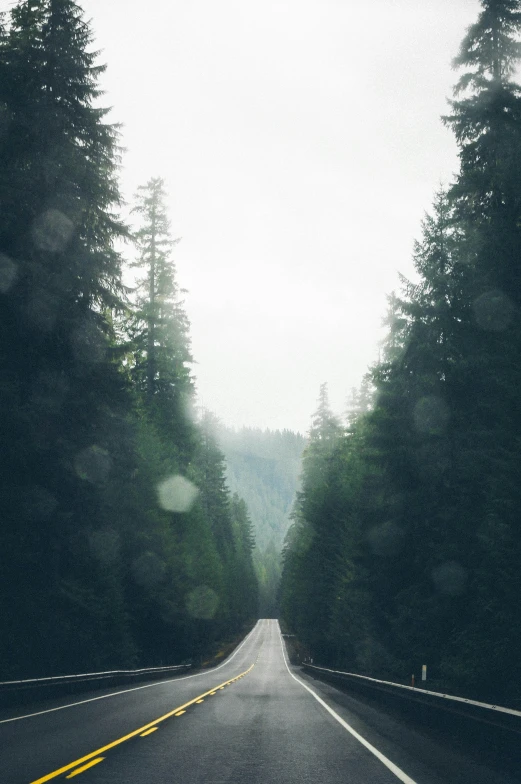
{"type": "Point", "coordinates": [159, 327]}
{"type": "Point", "coordinates": [65, 395]}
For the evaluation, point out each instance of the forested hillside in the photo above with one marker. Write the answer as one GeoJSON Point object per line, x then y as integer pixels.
{"type": "Point", "coordinates": [406, 544]}
{"type": "Point", "coordinates": [120, 542]}
{"type": "Point", "coordinates": [263, 467]}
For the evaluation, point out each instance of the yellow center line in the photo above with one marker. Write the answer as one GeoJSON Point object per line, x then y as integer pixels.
{"type": "Point", "coordinates": [180, 713]}
{"type": "Point", "coordinates": [133, 734]}
{"type": "Point", "coordinates": [85, 767]}
{"type": "Point", "coordinates": [148, 732]}
{"type": "Point", "coordinates": [199, 702]}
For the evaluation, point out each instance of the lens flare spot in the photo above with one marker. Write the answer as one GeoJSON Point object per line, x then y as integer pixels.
{"type": "Point", "coordinates": [177, 494]}
{"type": "Point", "coordinates": [431, 415]}
{"type": "Point", "coordinates": [8, 273]}
{"type": "Point", "coordinates": [386, 539]}
{"type": "Point", "coordinates": [148, 569]}
{"type": "Point", "coordinates": [202, 602]}
{"type": "Point", "coordinates": [450, 578]}
{"type": "Point", "coordinates": [42, 309]}
{"type": "Point", "coordinates": [88, 344]}
{"type": "Point", "coordinates": [230, 711]}
{"type": "Point", "coordinates": [104, 544]}
{"type": "Point", "coordinates": [93, 464]}
{"type": "Point", "coordinates": [39, 503]}
{"type": "Point", "coordinates": [52, 231]}
{"type": "Point", "coordinates": [493, 311]}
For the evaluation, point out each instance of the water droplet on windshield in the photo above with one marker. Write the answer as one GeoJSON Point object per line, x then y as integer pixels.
{"type": "Point", "coordinates": [202, 602]}
{"type": "Point", "coordinates": [52, 231]}
{"type": "Point", "coordinates": [431, 415]}
{"type": "Point", "coordinates": [93, 464]}
{"type": "Point", "coordinates": [450, 578]}
{"type": "Point", "coordinates": [493, 310]}
{"type": "Point", "coordinates": [8, 273]}
{"type": "Point", "coordinates": [177, 494]}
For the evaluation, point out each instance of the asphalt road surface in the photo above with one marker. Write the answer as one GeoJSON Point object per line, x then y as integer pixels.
{"type": "Point", "coordinates": [253, 719]}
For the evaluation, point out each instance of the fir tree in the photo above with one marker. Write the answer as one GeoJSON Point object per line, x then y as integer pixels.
{"type": "Point", "coordinates": [159, 327]}
{"type": "Point", "coordinates": [60, 273]}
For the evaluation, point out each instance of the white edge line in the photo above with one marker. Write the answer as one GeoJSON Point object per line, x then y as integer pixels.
{"type": "Point", "coordinates": [136, 688]}
{"type": "Point", "coordinates": [378, 754]}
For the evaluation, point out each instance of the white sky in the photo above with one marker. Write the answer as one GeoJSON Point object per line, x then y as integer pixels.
{"type": "Point", "coordinates": [301, 143]}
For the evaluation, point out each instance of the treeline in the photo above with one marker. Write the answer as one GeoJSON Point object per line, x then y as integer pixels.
{"type": "Point", "coordinates": [406, 543]}
{"type": "Point", "coordinates": [263, 467]}
{"type": "Point", "coordinates": [120, 543]}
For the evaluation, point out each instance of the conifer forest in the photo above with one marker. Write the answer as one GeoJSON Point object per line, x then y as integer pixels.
{"type": "Point", "coordinates": [120, 542]}
{"type": "Point", "coordinates": [406, 542]}
{"type": "Point", "coordinates": [129, 515]}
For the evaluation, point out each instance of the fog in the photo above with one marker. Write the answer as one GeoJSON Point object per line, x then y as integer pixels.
{"type": "Point", "coordinates": [301, 143]}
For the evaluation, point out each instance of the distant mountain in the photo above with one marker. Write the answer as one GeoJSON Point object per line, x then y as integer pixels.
{"type": "Point", "coordinates": [263, 467]}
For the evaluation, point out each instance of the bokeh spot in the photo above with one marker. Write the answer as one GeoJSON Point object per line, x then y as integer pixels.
{"type": "Point", "coordinates": [105, 545]}
{"type": "Point", "coordinates": [493, 311]}
{"type": "Point", "coordinates": [450, 578]}
{"type": "Point", "coordinates": [431, 415]}
{"type": "Point", "coordinates": [148, 569]}
{"type": "Point", "coordinates": [52, 231]}
{"type": "Point", "coordinates": [177, 494]}
{"type": "Point", "coordinates": [88, 343]}
{"type": "Point", "coordinates": [386, 539]}
{"type": "Point", "coordinates": [8, 273]}
{"type": "Point", "coordinates": [202, 602]}
{"type": "Point", "coordinates": [93, 464]}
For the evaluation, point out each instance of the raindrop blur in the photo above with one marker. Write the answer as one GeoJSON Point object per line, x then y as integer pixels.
{"type": "Point", "coordinates": [202, 602]}
{"type": "Point", "coordinates": [433, 459]}
{"type": "Point", "coordinates": [39, 503]}
{"type": "Point", "coordinates": [177, 494]}
{"type": "Point", "coordinates": [88, 343]}
{"type": "Point", "coordinates": [230, 711]}
{"type": "Point", "coordinates": [50, 390]}
{"type": "Point", "coordinates": [93, 464]}
{"type": "Point", "coordinates": [52, 231]}
{"type": "Point", "coordinates": [105, 545]}
{"type": "Point", "coordinates": [450, 578]}
{"type": "Point", "coordinates": [431, 415]}
{"type": "Point", "coordinates": [42, 309]}
{"type": "Point", "coordinates": [5, 120]}
{"type": "Point", "coordinates": [493, 311]}
{"type": "Point", "coordinates": [386, 539]}
{"type": "Point", "coordinates": [8, 273]}
{"type": "Point", "coordinates": [148, 570]}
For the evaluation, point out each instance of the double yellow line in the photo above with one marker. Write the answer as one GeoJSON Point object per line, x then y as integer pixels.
{"type": "Point", "coordinates": [89, 758]}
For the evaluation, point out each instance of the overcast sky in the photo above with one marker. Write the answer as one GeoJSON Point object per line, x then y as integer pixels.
{"type": "Point", "coordinates": [301, 143]}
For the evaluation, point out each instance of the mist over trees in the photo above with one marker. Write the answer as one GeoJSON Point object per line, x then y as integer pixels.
{"type": "Point", "coordinates": [120, 542]}
{"type": "Point", "coordinates": [264, 467]}
{"type": "Point", "coordinates": [406, 541]}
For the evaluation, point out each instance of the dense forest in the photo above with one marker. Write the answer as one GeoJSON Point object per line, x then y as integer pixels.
{"type": "Point", "coordinates": [406, 543]}
{"type": "Point", "coordinates": [263, 467]}
{"type": "Point", "coordinates": [120, 542]}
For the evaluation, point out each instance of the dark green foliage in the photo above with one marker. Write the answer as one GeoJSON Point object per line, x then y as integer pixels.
{"type": "Point", "coordinates": [406, 542]}
{"type": "Point", "coordinates": [101, 565]}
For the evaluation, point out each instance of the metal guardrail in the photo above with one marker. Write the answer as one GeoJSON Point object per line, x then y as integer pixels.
{"type": "Point", "coordinates": [489, 733]}
{"type": "Point", "coordinates": [448, 701]}
{"type": "Point", "coordinates": [486, 732]}
{"type": "Point", "coordinates": [20, 690]}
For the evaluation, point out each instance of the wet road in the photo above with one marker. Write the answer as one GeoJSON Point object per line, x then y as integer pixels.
{"type": "Point", "coordinates": [253, 719]}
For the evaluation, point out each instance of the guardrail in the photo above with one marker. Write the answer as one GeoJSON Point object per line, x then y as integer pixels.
{"type": "Point", "coordinates": [20, 691]}
{"type": "Point", "coordinates": [495, 731]}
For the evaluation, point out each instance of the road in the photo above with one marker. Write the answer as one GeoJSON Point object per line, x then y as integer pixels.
{"type": "Point", "coordinates": [253, 719]}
